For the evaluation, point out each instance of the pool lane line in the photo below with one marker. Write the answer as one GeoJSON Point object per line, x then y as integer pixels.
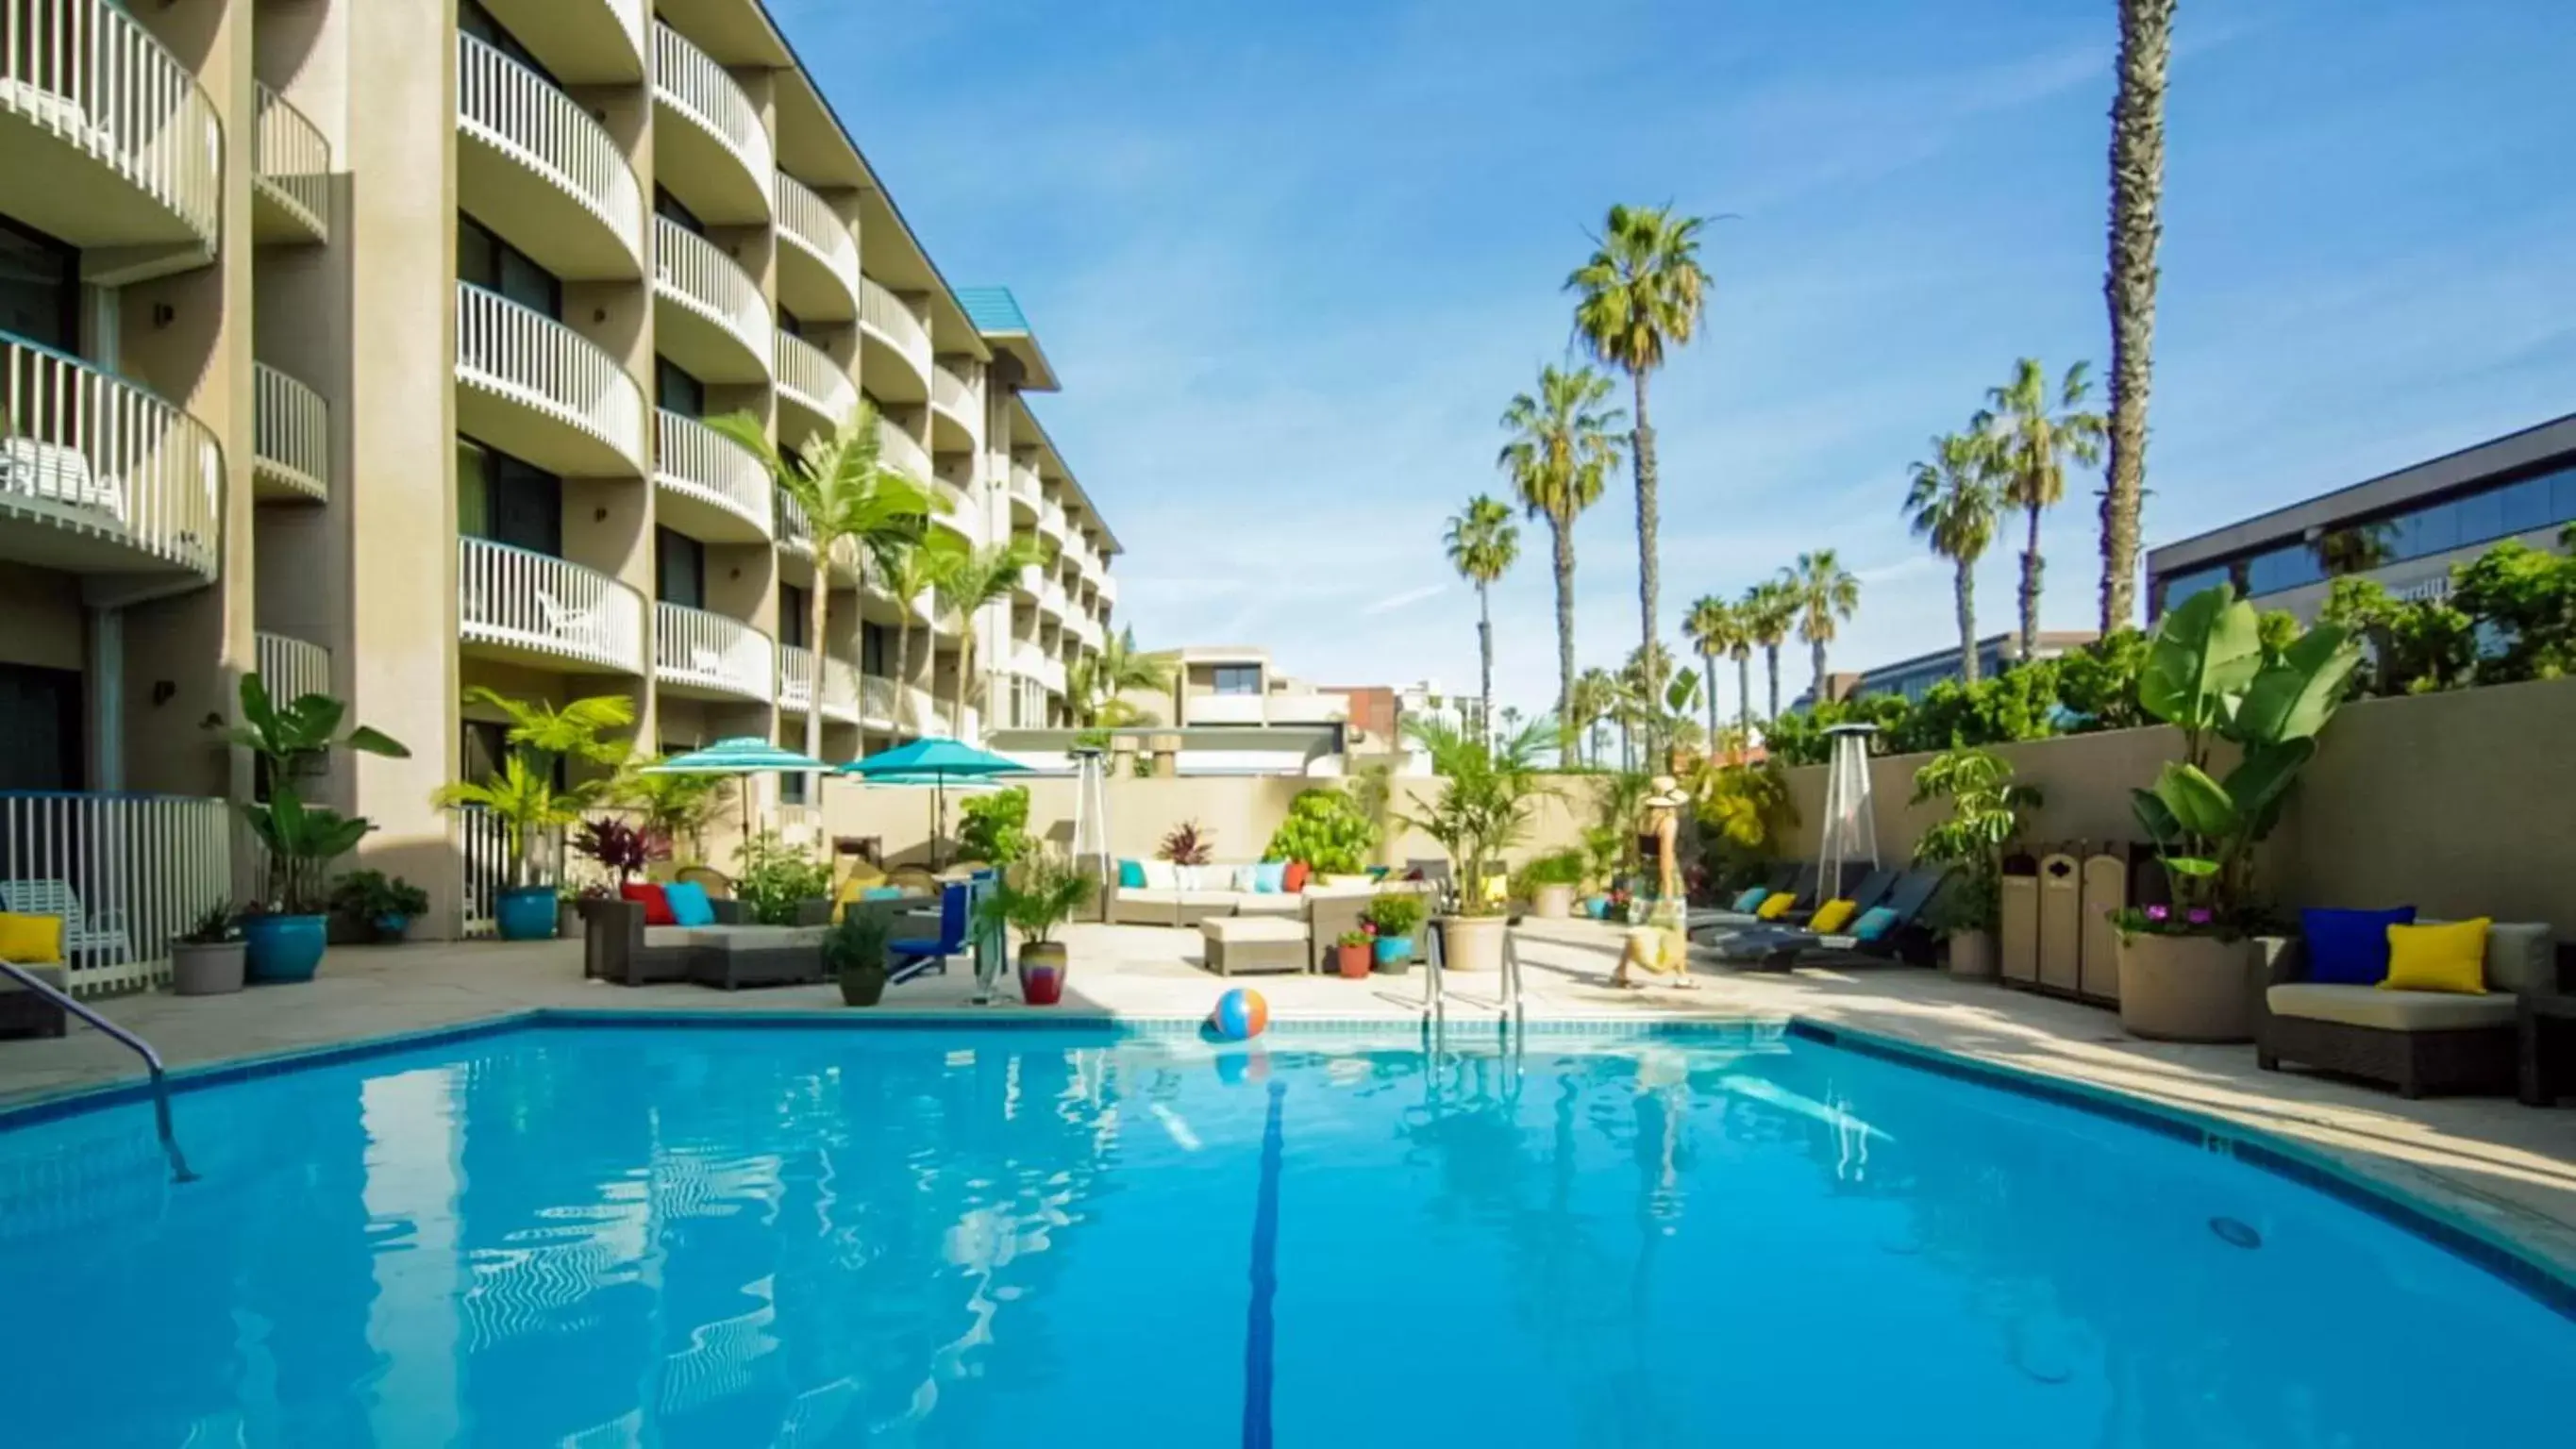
{"type": "Point", "coordinates": [1259, 1327]}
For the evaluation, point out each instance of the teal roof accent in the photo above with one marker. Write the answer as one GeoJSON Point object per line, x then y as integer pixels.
{"type": "Point", "coordinates": [993, 309]}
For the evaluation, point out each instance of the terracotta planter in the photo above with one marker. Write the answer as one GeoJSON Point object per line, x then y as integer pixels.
{"type": "Point", "coordinates": [1042, 972]}
{"type": "Point", "coordinates": [1972, 955]}
{"type": "Point", "coordinates": [2187, 988]}
{"type": "Point", "coordinates": [1472, 943]}
{"type": "Point", "coordinates": [1552, 902]}
{"type": "Point", "coordinates": [207, 968]}
{"type": "Point", "coordinates": [1353, 961]}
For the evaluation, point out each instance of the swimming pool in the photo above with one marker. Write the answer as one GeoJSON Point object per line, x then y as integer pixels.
{"type": "Point", "coordinates": [700, 1235]}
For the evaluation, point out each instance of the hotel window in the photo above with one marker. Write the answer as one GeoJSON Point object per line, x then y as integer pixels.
{"type": "Point", "coordinates": [476, 21]}
{"type": "Point", "coordinates": [507, 501]}
{"type": "Point", "coordinates": [39, 288]}
{"type": "Point", "coordinates": [1238, 679]}
{"type": "Point", "coordinates": [675, 391]}
{"type": "Point", "coordinates": [40, 717]}
{"type": "Point", "coordinates": [668, 207]}
{"type": "Point", "coordinates": [679, 569]}
{"type": "Point", "coordinates": [494, 265]}
{"type": "Point", "coordinates": [795, 615]}
{"type": "Point", "coordinates": [875, 657]}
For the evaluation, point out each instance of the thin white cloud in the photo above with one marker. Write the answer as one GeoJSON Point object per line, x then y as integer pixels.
{"type": "Point", "coordinates": [1393, 602]}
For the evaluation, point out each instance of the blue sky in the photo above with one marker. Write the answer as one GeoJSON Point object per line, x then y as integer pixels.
{"type": "Point", "coordinates": [1291, 262]}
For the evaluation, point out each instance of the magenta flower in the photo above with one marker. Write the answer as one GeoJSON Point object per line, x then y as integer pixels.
{"type": "Point", "coordinates": [2158, 913]}
{"type": "Point", "coordinates": [2200, 916]}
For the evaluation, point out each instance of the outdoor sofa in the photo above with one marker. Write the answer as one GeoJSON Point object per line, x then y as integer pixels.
{"type": "Point", "coordinates": [29, 1013]}
{"type": "Point", "coordinates": [618, 947]}
{"type": "Point", "coordinates": [2417, 1041]}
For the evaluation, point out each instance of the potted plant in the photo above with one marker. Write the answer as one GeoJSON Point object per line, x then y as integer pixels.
{"type": "Point", "coordinates": [1036, 897]}
{"type": "Point", "coordinates": [1329, 831]}
{"type": "Point", "coordinates": [2188, 970]}
{"type": "Point", "coordinates": [622, 850]}
{"type": "Point", "coordinates": [207, 959]}
{"type": "Point", "coordinates": [854, 951]}
{"type": "Point", "coordinates": [1985, 814]}
{"type": "Point", "coordinates": [383, 907]}
{"type": "Point", "coordinates": [776, 881]}
{"type": "Point", "coordinates": [1549, 883]}
{"type": "Point", "coordinates": [1351, 954]}
{"type": "Point", "coordinates": [1482, 811]}
{"type": "Point", "coordinates": [523, 797]}
{"type": "Point", "coordinates": [1187, 843]}
{"type": "Point", "coordinates": [1392, 917]}
{"type": "Point", "coordinates": [286, 935]}
{"type": "Point", "coordinates": [994, 829]}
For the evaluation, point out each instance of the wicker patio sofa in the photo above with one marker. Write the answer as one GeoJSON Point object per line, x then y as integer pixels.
{"type": "Point", "coordinates": [618, 947]}
{"type": "Point", "coordinates": [2417, 1041]}
{"type": "Point", "coordinates": [28, 1013]}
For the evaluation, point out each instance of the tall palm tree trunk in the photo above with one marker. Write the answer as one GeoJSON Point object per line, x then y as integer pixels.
{"type": "Point", "coordinates": [821, 611]}
{"type": "Point", "coordinates": [1485, 662]}
{"type": "Point", "coordinates": [903, 668]}
{"type": "Point", "coordinates": [1816, 652]}
{"type": "Point", "coordinates": [1771, 658]}
{"type": "Point", "coordinates": [2030, 566]}
{"type": "Point", "coordinates": [1965, 587]}
{"type": "Point", "coordinates": [1648, 582]}
{"type": "Point", "coordinates": [957, 693]}
{"type": "Point", "coordinates": [2137, 197]}
{"type": "Point", "coordinates": [1744, 694]}
{"type": "Point", "coordinates": [1708, 678]}
{"type": "Point", "coordinates": [1563, 532]}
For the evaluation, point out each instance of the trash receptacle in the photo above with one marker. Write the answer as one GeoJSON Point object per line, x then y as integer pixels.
{"type": "Point", "coordinates": [2018, 922]}
{"type": "Point", "coordinates": [2061, 923]}
{"type": "Point", "coordinates": [2106, 889]}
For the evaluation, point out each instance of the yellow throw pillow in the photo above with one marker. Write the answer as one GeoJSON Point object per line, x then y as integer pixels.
{"type": "Point", "coordinates": [2449, 958]}
{"type": "Point", "coordinates": [1774, 906]}
{"type": "Point", "coordinates": [31, 940]}
{"type": "Point", "coordinates": [1832, 916]}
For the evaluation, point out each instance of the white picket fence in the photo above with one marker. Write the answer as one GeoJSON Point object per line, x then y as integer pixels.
{"type": "Point", "coordinates": [124, 874]}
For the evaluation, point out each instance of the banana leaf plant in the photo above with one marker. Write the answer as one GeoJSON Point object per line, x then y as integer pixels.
{"type": "Point", "coordinates": [294, 738]}
{"type": "Point", "coordinates": [2209, 675]}
{"type": "Point", "coordinates": [302, 840]}
{"type": "Point", "coordinates": [291, 741]}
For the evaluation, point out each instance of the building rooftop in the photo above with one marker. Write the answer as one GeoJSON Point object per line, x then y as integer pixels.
{"type": "Point", "coordinates": [997, 317]}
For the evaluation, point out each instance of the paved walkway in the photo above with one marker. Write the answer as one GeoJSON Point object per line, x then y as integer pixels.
{"type": "Point", "coordinates": [2507, 1168]}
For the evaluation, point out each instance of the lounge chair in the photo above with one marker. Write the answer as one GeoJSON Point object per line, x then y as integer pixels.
{"type": "Point", "coordinates": [919, 956]}
{"type": "Point", "coordinates": [1801, 886]}
{"type": "Point", "coordinates": [1780, 950]}
{"type": "Point", "coordinates": [84, 935]}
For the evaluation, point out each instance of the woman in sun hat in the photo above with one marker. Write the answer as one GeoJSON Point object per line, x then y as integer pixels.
{"type": "Point", "coordinates": [1659, 947]}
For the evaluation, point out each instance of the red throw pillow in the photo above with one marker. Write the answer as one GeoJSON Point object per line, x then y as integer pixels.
{"type": "Point", "coordinates": [1295, 880]}
{"type": "Point", "coordinates": [657, 906]}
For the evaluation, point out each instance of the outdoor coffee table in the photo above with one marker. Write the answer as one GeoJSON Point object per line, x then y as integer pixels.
{"type": "Point", "coordinates": [2547, 1047]}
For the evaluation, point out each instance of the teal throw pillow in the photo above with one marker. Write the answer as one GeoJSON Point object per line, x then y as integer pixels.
{"type": "Point", "coordinates": [1131, 875]}
{"type": "Point", "coordinates": [1874, 923]}
{"type": "Point", "coordinates": [1750, 900]}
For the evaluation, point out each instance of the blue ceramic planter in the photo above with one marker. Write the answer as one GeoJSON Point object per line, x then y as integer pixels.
{"type": "Point", "coordinates": [1394, 954]}
{"type": "Point", "coordinates": [284, 948]}
{"type": "Point", "coordinates": [526, 914]}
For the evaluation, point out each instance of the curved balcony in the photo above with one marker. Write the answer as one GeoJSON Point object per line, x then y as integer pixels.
{"type": "Point", "coordinates": [1051, 600]}
{"type": "Point", "coordinates": [818, 269]}
{"type": "Point", "coordinates": [538, 390]}
{"type": "Point", "coordinates": [110, 141]}
{"type": "Point", "coordinates": [1025, 490]}
{"type": "Point", "coordinates": [1088, 630]}
{"type": "Point", "coordinates": [290, 438]}
{"type": "Point", "coordinates": [956, 406]}
{"type": "Point", "coordinates": [708, 487]}
{"type": "Point", "coordinates": [814, 392]}
{"type": "Point", "coordinates": [98, 475]}
{"type": "Point", "coordinates": [903, 451]}
{"type": "Point", "coordinates": [1051, 524]}
{"type": "Point", "coordinates": [708, 314]}
{"type": "Point", "coordinates": [841, 688]}
{"type": "Point", "coordinates": [709, 146]}
{"type": "Point", "coordinates": [535, 167]}
{"type": "Point", "coordinates": [291, 194]}
{"type": "Point", "coordinates": [583, 42]}
{"type": "Point", "coordinates": [711, 656]}
{"type": "Point", "coordinates": [894, 346]}
{"type": "Point", "coordinates": [1108, 591]}
{"type": "Point", "coordinates": [534, 608]}
{"type": "Point", "coordinates": [291, 668]}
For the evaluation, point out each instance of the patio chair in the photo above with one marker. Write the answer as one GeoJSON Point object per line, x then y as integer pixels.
{"type": "Point", "coordinates": [573, 626]}
{"type": "Point", "coordinates": [919, 956]}
{"type": "Point", "coordinates": [83, 934]}
{"type": "Point", "coordinates": [719, 886]}
{"type": "Point", "coordinates": [1780, 950]}
{"type": "Point", "coordinates": [1800, 884]}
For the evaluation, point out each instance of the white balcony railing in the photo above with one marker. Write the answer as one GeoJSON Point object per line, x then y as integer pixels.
{"type": "Point", "coordinates": [529, 357]}
{"type": "Point", "coordinates": [519, 599]}
{"type": "Point", "coordinates": [902, 451]}
{"type": "Point", "coordinates": [123, 873]}
{"type": "Point", "coordinates": [1108, 588]}
{"type": "Point", "coordinates": [294, 162]}
{"type": "Point", "coordinates": [928, 712]}
{"type": "Point", "coordinates": [809, 221]}
{"type": "Point", "coordinates": [796, 683]}
{"type": "Point", "coordinates": [696, 273]}
{"type": "Point", "coordinates": [515, 110]}
{"type": "Point", "coordinates": [290, 432]}
{"type": "Point", "coordinates": [291, 668]}
{"type": "Point", "coordinates": [689, 80]}
{"type": "Point", "coordinates": [1025, 485]}
{"type": "Point", "coordinates": [84, 70]}
{"type": "Point", "coordinates": [955, 394]}
{"type": "Point", "coordinates": [882, 312]}
{"type": "Point", "coordinates": [1051, 524]}
{"type": "Point", "coordinates": [793, 527]}
{"type": "Point", "coordinates": [711, 651]}
{"type": "Point", "coordinates": [809, 375]}
{"type": "Point", "coordinates": [86, 450]}
{"type": "Point", "coordinates": [695, 459]}
{"type": "Point", "coordinates": [876, 699]}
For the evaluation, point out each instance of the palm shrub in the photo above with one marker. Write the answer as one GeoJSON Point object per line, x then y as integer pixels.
{"type": "Point", "coordinates": [675, 807]}
{"type": "Point", "coordinates": [774, 878]}
{"type": "Point", "coordinates": [1985, 813]}
{"type": "Point", "coordinates": [995, 828]}
{"type": "Point", "coordinates": [523, 795]}
{"type": "Point", "coordinates": [1327, 830]}
{"type": "Point", "coordinates": [1035, 897]}
{"type": "Point", "coordinates": [855, 952]}
{"type": "Point", "coordinates": [1568, 867]}
{"type": "Point", "coordinates": [1484, 804]}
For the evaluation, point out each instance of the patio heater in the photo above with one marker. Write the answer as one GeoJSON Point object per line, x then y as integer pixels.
{"type": "Point", "coordinates": [1851, 823]}
{"type": "Point", "coordinates": [1091, 812]}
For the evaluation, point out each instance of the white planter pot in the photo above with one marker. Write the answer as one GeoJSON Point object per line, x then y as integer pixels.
{"type": "Point", "coordinates": [2187, 988]}
{"type": "Point", "coordinates": [206, 969]}
{"type": "Point", "coordinates": [1972, 955]}
{"type": "Point", "coordinates": [1472, 943]}
{"type": "Point", "coordinates": [1552, 902]}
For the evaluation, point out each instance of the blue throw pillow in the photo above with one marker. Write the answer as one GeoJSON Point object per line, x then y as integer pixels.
{"type": "Point", "coordinates": [1270, 878]}
{"type": "Point", "coordinates": [1131, 875]}
{"type": "Point", "coordinates": [1874, 923]}
{"type": "Point", "coordinates": [690, 907]}
{"type": "Point", "coordinates": [2350, 948]}
{"type": "Point", "coordinates": [1751, 900]}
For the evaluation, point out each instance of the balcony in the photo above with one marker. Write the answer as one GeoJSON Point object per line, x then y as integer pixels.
{"type": "Point", "coordinates": [841, 689]}
{"type": "Point", "coordinates": [814, 391]}
{"type": "Point", "coordinates": [584, 42]}
{"type": "Point", "coordinates": [708, 314]}
{"type": "Point", "coordinates": [1108, 592]}
{"type": "Point", "coordinates": [708, 487]}
{"type": "Point", "coordinates": [290, 438]}
{"type": "Point", "coordinates": [538, 390]}
{"type": "Point", "coordinates": [534, 608]}
{"type": "Point", "coordinates": [877, 696]}
{"type": "Point", "coordinates": [1051, 600]}
{"type": "Point", "coordinates": [110, 141]}
{"type": "Point", "coordinates": [1088, 630]}
{"type": "Point", "coordinates": [894, 346]}
{"type": "Point", "coordinates": [1026, 491]}
{"type": "Point", "coordinates": [98, 475]}
{"type": "Point", "coordinates": [956, 412]}
{"type": "Point", "coordinates": [291, 668]}
{"type": "Point", "coordinates": [1051, 523]}
{"type": "Point", "coordinates": [926, 714]}
{"type": "Point", "coordinates": [290, 198]}
{"type": "Point", "coordinates": [707, 655]}
{"type": "Point", "coordinates": [709, 146]}
{"type": "Point", "coordinates": [534, 166]}
{"type": "Point", "coordinates": [144, 869]}
{"type": "Point", "coordinates": [818, 269]}
{"type": "Point", "coordinates": [903, 452]}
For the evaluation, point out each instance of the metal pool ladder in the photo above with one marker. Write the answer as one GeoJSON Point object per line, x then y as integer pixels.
{"type": "Point", "coordinates": [151, 1060]}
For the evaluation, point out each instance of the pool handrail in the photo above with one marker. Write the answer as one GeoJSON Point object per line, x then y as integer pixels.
{"type": "Point", "coordinates": [151, 1059]}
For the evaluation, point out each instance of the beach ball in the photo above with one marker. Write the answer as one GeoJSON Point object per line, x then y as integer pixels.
{"type": "Point", "coordinates": [1240, 1015]}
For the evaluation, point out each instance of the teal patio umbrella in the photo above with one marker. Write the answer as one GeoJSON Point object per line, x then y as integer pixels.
{"type": "Point", "coordinates": [938, 763]}
{"type": "Point", "coordinates": [744, 756]}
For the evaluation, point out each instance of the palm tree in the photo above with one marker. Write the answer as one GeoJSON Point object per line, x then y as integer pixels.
{"type": "Point", "coordinates": [1483, 545]}
{"type": "Point", "coordinates": [1739, 646]}
{"type": "Point", "coordinates": [1953, 504]}
{"type": "Point", "coordinates": [1595, 694]}
{"type": "Point", "coordinates": [857, 508]}
{"type": "Point", "coordinates": [1639, 296]}
{"type": "Point", "coordinates": [1641, 700]}
{"type": "Point", "coordinates": [908, 576]}
{"type": "Point", "coordinates": [1095, 682]}
{"type": "Point", "coordinates": [1563, 444]}
{"type": "Point", "coordinates": [966, 581]}
{"type": "Point", "coordinates": [1711, 627]}
{"type": "Point", "coordinates": [2035, 435]}
{"type": "Point", "coordinates": [1769, 613]}
{"type": "Point", "coordinates": [2137, 201]}
{"type": "Point", "coordinates": [1824, 592]}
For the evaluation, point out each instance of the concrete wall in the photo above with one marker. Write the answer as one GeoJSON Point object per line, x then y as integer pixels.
{"type": "Point", "coordinates": [2461, 804]}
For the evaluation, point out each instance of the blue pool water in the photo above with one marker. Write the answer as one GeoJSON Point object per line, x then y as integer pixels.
{"type": "Point", "coordinates": [730, 1236]}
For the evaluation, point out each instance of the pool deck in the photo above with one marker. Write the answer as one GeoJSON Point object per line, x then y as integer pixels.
{"type": "Point", "coordinates": [2506, 1170]}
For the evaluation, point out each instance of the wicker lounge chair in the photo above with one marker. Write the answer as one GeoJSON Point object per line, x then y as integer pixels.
{"type": "Point", "coordinates": [1781, 950]}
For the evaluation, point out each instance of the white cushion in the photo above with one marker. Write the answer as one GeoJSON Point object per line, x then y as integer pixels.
{"type": "Point", "coordinates": [1162, 875]}
{"type": "Point", "coordinates": [1245, 879]}
{"type": "Point", "coordinates": [1253, 928]}
{"type": "Point", "coordinates": [1149, 897]}
{"type": "Point", "coordinates": [1253, 903]}
{"type": "Point", "coordinates": [2389, 1010]}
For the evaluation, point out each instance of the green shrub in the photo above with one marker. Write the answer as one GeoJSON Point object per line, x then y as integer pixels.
{"type": "Point", "coordinates": [1328, 830]}
{"type": "Point", "coordinates": [994, 828]}
{"type": "Point", "coordinates": [1395, 913]}
{"type": "Point", "coordinates": [774, 877]}
{"type": "Point", "coordinates": [856, 946]}
{"type": "Point", "coordinates": [1566, 867]}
